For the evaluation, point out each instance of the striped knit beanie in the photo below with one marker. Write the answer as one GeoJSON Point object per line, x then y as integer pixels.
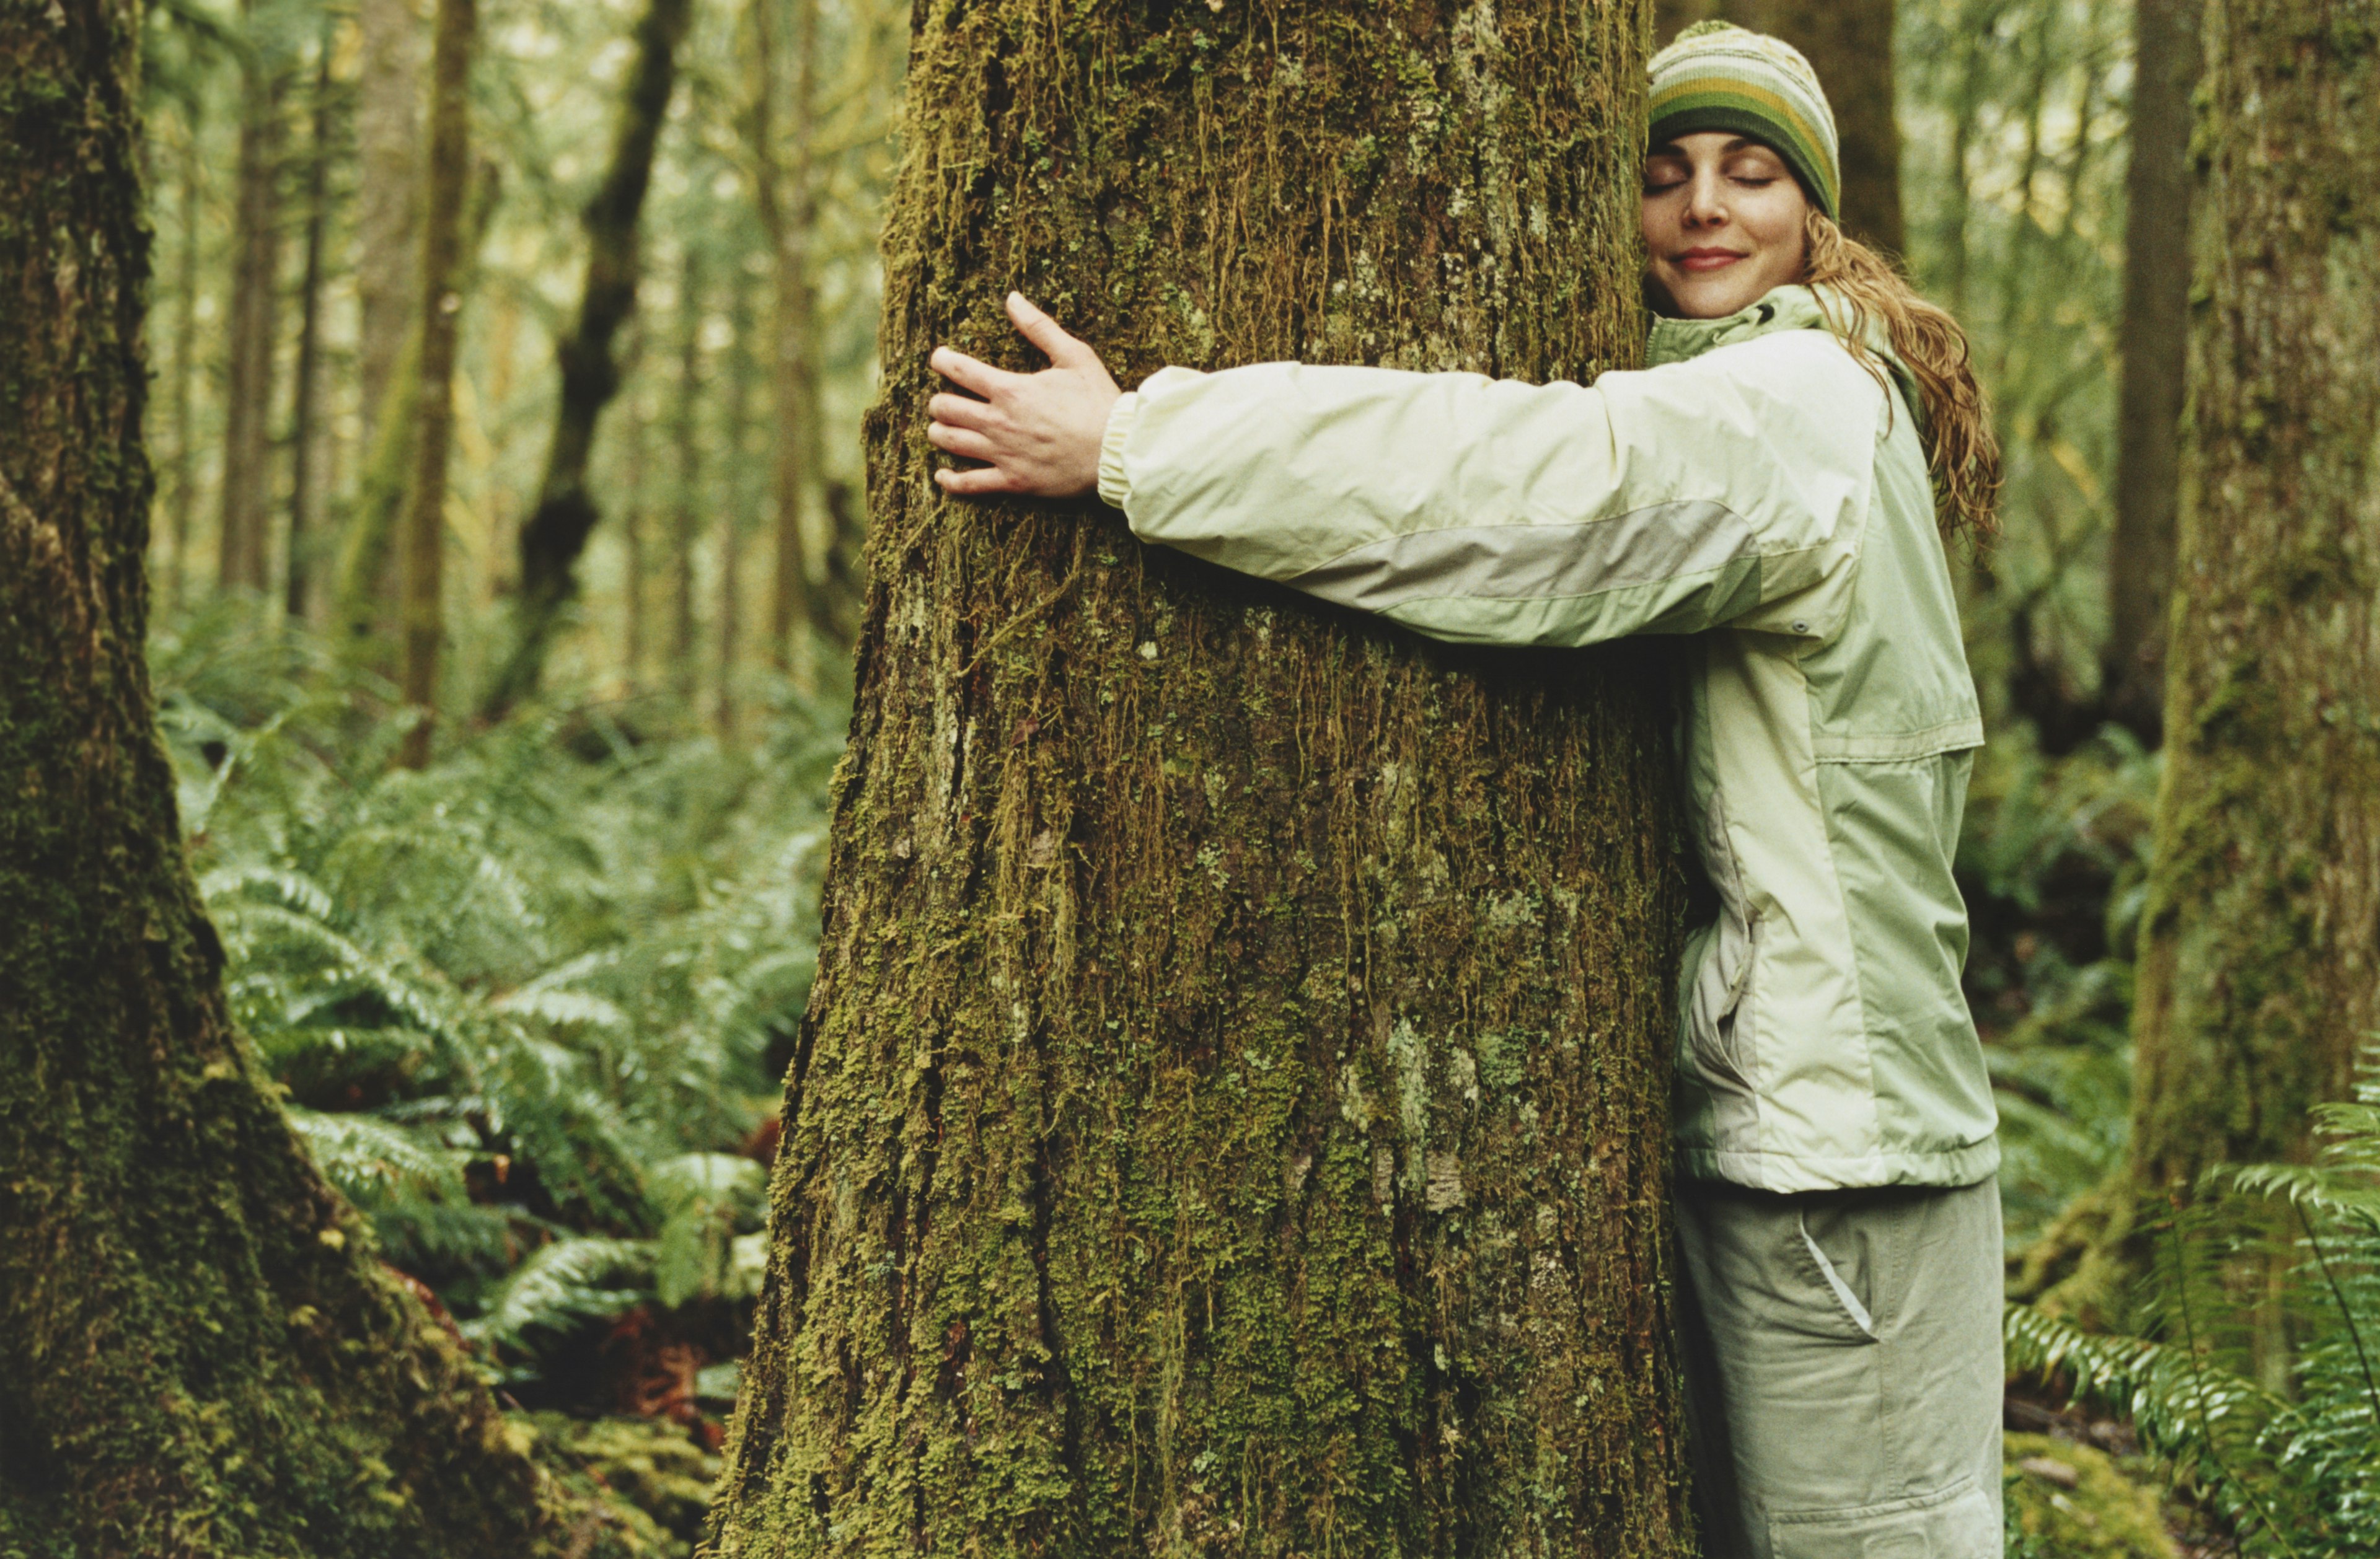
{"type": "Point", "coordinates": [1720, 77]}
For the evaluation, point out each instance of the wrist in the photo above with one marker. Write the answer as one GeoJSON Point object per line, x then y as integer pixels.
{"type": "Point", "coordinates": [1113, 486]}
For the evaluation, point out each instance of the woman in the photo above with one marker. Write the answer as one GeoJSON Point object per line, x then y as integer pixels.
{"type": "Point", "coordinates": [1767, 480]}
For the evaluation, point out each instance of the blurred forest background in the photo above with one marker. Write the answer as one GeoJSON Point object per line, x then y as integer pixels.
{"type": "Point", "coordinates": [504, 768]}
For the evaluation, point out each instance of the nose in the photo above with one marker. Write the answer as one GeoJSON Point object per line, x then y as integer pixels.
{"type": "Point", "coordinates": [1706, 198]}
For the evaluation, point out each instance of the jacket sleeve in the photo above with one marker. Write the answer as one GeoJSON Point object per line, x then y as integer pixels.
{"type": "Point", "coordinates": [1733, 487]}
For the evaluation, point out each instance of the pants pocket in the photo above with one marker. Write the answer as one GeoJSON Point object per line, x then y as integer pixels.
{"type": "Point", "coordinates": [1957, 1523]}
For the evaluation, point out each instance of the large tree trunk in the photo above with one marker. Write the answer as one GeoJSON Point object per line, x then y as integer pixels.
{"type": "Point", "coordinates": [198, 1355]}
{"type": "Point", "coordinates": [2157, 353]}
{"type": "Point", "coordinates": [556, 530]}
{"type": "Point", "coordinates": [447, 176]}
{"type": "Point", "coordinates": [1232, 1113]}
{"type": "Point", "coordinates": [243, 557]}
{"type": "Point", "coordinates": [1849, 46]}
{"type": "Point", "coordinates": [2259, 973]}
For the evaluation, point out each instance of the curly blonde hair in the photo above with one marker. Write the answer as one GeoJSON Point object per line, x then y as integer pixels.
{"type": "Point", "coordinates": [1963, 455]}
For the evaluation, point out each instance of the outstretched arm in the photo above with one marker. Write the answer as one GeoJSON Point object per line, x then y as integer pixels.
{"type": "Point", "coordinates": [1037, 432]}
{"type": "Point", "coordinates": [1731, 488]}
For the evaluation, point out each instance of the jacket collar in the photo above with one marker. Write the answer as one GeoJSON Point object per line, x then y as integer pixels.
{"type": "Point", "coordinates": [1794, 307]}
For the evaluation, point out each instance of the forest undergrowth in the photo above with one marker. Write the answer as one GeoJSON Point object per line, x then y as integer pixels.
{"type": "Point", "coordinates": [2245, 1376]}
{"type": "Point", "coordinates": [528, 1006]}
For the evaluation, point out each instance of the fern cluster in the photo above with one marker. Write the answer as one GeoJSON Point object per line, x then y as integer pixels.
{"type": "Point", "coordinates": [525, 1004]}
{"type": "Point", "coordinates": [2258, 1378]}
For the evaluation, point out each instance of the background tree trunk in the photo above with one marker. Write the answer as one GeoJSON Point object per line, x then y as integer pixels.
{"type": "Point", "coordinates": [304, 431]}
{"type": "Point", "coordinates": [1231, 1114]}
{"type": "Point", "coordinates": [183, 500]}
{"type": "Point", "coordinates": [556, 530]}
{"type": "Point", "coordinates": [198, 1355]}
{"type": "Point", "coordinates": [1849, 46]}
{"type": "Point", "coordinates": [448, 176]}
{"type": "Point", "coordinates": [786, 185]}
{"type": "Point", "coordinates": [736, 502]}
{"type": "Point", "coordinates": [2157, 353]}
{"type": "Point", "coordinates": [2257, 979]}
{"type": "Point", "coordinates": [243, 557]}
{"type": "Point", "coordinates": [685, 510]}
{"type": "Point", "coordinates": [388, 191]}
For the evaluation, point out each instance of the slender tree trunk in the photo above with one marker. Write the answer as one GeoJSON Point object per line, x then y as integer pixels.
{"type": "Point", "coordinates": [388, 197]}
{"type": "Point", "coordinates": [787, 201]}
{"type": "Point", "coordinates": [303, 433]}
{"type": "Point", "coordinates": [200, 1355]}
{"type": "Point", "coordinates": [685, 510]}
{"type": "Point", "coordinates": [1850, 45]}
{"type": "Point", "coordinates": [2157, 352]}
{"type": "Point", "coordinates": [243, 559]}
{"type": "Point", "coordinates": [556, 530]}
{"type": "Point", "coordinates": [448, 176]}
{"type": "Point", "coordinates": [1673, 17]}
{"type": "Point", "coordinates": [736, 441]}
{"type": "Point", "coordinates": [632, 543]}
{"type": "Point", "coordinates": [2259, 973]}
{"type": "Point", "coordinates": [1231, 1116]}
{"type": "Point", "coordinates": [186, 349]}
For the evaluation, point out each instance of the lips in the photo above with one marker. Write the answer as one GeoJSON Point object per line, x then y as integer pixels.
{"type": "Point", "coordinates": [1699, 260]}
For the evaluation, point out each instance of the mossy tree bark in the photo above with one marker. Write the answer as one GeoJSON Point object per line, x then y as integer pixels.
{"type": "Point", "coordinates": [199, 1354]}
{"type": "Point", "coordinates": [1231, 1117]}
{"type": "Point", "coordinates": [2156, 358]}
{"type": "Point", "coordinates": [2259, 973]}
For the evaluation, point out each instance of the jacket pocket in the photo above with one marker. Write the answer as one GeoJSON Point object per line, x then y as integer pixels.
{"type": "Point", "coordinates": [1717, 1016]}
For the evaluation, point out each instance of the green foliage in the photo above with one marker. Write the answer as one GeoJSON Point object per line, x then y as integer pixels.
{"type": "Point", "coordinates": [2066, 1501]}
{"type": "Point", "coordinates": [523, 1003]}
{"type": "Point", "coordinates": [2052, 861]}
{"type": "Point", "coordinates": [641, 1487]}
{"type": "Point", "coordinates": [2267, 1256]}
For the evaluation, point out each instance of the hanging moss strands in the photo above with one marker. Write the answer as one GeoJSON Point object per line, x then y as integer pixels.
{"type": "Point", "coordinates": [1231, 1116]}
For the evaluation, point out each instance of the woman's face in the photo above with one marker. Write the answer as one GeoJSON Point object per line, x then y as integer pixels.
{"type": "Point", "coordinates": [1723, 223]}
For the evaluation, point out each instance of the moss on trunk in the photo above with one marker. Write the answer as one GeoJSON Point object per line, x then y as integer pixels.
{"type": "Point", "coordinates": [1232, 1115]}
{"type": "Point", "coordinates": [199, 1354]}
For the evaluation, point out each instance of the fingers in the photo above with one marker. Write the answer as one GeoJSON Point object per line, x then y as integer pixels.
{"type": "Point", "coordinates": [961, 411]}
{"type": "Point", "coordinates": [1062, 350]}
{"type": "Point", "coordinates": [961, 440]}
{"type": "Point", "coordinates": [967, 373]}
{"type": "Point", "coordinates": [982, 479]}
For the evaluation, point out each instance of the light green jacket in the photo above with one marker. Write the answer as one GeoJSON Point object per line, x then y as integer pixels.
{"type": "Point", "coordinates": [1756, 482]}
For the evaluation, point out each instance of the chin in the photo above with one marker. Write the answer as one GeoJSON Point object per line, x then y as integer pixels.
{"type": "Point", "coordinates": [1713, 299]}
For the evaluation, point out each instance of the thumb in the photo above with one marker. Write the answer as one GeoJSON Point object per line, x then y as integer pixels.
{"type": "Point", "coordinates": [1062, 350]}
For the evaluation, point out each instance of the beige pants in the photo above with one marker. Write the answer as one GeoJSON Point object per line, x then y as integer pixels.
{"type": "Point", "coordinates": [1844, 1371]}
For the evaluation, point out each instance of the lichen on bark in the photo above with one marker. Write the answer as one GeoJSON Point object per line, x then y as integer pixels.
{"type": "Point", "coordinates": [1231, 1112]}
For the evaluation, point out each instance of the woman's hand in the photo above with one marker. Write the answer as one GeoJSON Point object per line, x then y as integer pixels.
{"type": "Point", "coordinates": [1039, 432]}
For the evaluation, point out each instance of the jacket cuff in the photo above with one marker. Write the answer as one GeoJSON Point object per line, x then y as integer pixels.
{"type": "Point", "coordinates": [1113, 487]}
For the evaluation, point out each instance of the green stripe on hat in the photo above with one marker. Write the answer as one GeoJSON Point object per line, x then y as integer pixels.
{"type": "Point", "coordinates": [1720, 77]}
